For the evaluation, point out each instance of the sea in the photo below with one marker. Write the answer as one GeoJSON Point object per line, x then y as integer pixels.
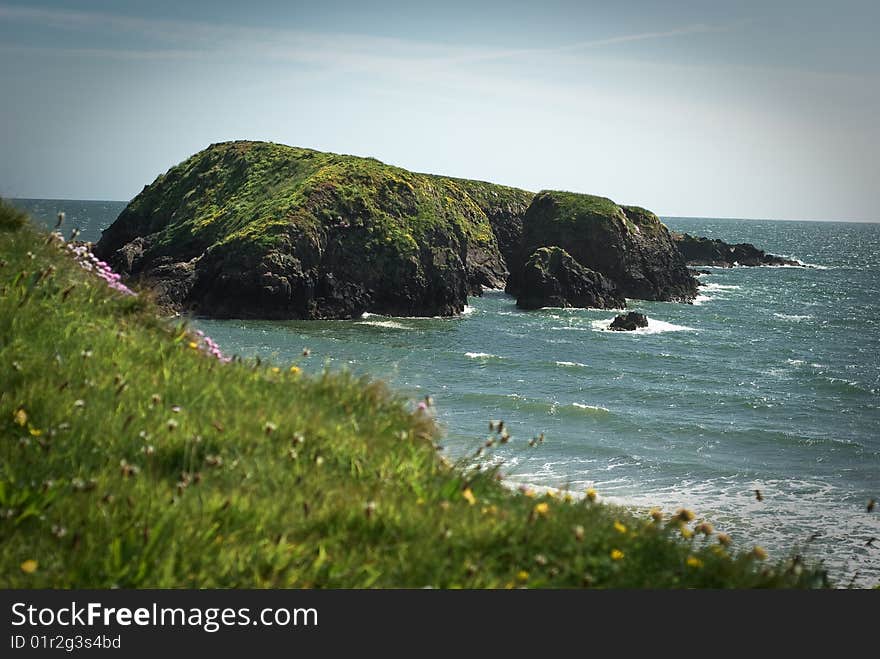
{"type": "Point", "coordinates": [758, 406]}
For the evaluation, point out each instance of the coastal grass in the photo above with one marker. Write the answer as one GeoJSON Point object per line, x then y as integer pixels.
{"type": "Point", "coordinates": [131, 458]}
{"type": "Point", "coordinates": [259, 193]}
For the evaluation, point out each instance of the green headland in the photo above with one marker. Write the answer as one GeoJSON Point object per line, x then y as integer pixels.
{"type": "Point", "coordinates": [131, 457]}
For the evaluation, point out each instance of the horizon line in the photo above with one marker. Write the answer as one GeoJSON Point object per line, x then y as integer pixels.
{"type": "Point", "coordinates": [662, 216]}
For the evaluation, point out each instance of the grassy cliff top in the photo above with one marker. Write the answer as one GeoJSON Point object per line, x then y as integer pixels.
{"type": "Point", "coordinates": [260, 192]}
{"type": "Point", "coordinates": [131, 457]}
{"type": "Point", "coordinates": [591, 211]}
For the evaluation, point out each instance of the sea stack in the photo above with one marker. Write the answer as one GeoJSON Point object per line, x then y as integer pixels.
{"type": "Point", "coordinates": [628, 245]}
{"type": "Point", "coordinates": [552, 278]}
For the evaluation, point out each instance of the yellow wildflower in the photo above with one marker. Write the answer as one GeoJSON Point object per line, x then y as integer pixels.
{"type": "Point", "coordinates": [490, 510]}
{"type": "Point", "coordinates": [656, 514]}
{"type": "Point", "coordinates": [620, 528]}
{"type": "Point", "coordinates": [522, 575]}
{"type": "Point", "coordinates": [616, 555]}
{"type": "Point", "coordinates": [20, 417]}
{"type": "Point", "coordinates": [693, 561]}
{"type": "Point", "coordinates": [35, 432]}
{"type": "Point", "coordinates": [684, 514]}
{"type": "Point", "coordinates": [193, 345]}
{"type": "Point", "coordinates": [296, 370]}
{"type": "Point", "coordinates": [275, 369]}
{"type": "Point", "coordinates": [469, 496]}
{"type": "Point", "coordinates": [541, 509]}
{"type": "Point", "coordinates": [724, 539]}
{"type": "Point", "coordinates": [29, 566]}
{"type": "Point", "coordinates": [759, 552]}
{"type": "Point", "coordinates": [686, 532]}
{"type": "Point", "coordinates": [705, 528]}
{"type": "Point", "coordinates": [591, 494]}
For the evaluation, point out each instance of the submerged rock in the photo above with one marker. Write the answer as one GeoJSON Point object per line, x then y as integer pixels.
{"type": "Point", "coordinates": [628, 322]}
{"type": "Point", "coordinates": [552, 278]}
{"type": "Point", "coordinates": [707, 251]}
{"type": "Point", "coordinates": [627, 244]}
{"type": "Point", "coordinates": [262, 230]}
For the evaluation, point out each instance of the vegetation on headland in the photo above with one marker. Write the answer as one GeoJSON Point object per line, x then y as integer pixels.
{"type": "Point", "coordinates": [131, 457]}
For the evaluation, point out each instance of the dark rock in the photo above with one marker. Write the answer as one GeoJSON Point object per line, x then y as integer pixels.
{"type": "Point", "coordinates": [552, 278]}
{"type": "Point", "coordinates": [505, 208]}
{"type": "Point", "coordinates": [706, 251]}
{"type": "Point", "coordinates": [628, 322]}
{"type": "Point", "coordinates": [627, 244]}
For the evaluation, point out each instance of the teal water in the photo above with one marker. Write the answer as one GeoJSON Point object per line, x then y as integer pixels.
{"type": "Point", "coordinates": [771, 381]}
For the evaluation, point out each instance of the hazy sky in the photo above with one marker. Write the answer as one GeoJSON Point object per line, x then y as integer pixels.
{"type": "Point", "coordinates": [725, 109]}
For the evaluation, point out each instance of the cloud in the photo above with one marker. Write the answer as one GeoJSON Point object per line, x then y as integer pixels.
{"type": "Point", "coordinates": [169, 39]}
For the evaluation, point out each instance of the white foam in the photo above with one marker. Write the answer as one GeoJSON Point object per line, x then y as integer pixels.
{"type": "Point", "coordinates": [712, 286]}
{"type": "Point", "coordinates": [467, 310]}
{"type": "Point", "coordinates": [578, 310]}
{"type": "Point", "coordinates": [800, 264]}
{"type": "Point", "coordinates": [793, 317]}
{"type": "Point", "coordinates": [481, 355]}
{"type": "Point", "coordinates": [389, 324]}
{"type": "Point", "coordinates": [700, 299]}
{"type": "Point", "coordinates": [593, 408]}
{"type": "Point", "coordinates": [654, 327]}
{"type": "Point", "coordinates": [571, 364]}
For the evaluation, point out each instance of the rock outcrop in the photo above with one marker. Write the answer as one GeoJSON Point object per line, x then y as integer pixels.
{"type": "Point", "coordinates": [627, 244]}
{"type": "Point", "coordinates": [255, 229]}
{"type": "Point", "coordinates": [707, 251]}
{"type": "Point", "coordinates": [552, 278]}
{"type": "Point", "coordinates": [628, 322]}
{"type": "Point", "coordinates": [263, 230]}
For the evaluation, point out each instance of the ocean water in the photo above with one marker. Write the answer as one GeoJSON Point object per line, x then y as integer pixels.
{"type": "Point", "coordinates": [770, 382]}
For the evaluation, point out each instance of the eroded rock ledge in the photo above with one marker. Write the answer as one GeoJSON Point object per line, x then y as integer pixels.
{"type": "Point", "coordinates": [714, 252]}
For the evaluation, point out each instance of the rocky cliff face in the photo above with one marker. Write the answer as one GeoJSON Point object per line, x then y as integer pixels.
{"type": "Point", "coordinates": [254, 229]}
{"type": "Point", "coordinates": [627, 244]}
{"type": "Point", "coordinates": [706, 251]}
{"type": "Point", "coordinates": [505, 208]}
{"type": "Point", "coordinates": [552, 278]}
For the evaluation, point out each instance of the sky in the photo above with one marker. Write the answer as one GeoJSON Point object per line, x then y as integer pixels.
{"type": "Point", "coordinates": [689, 108]}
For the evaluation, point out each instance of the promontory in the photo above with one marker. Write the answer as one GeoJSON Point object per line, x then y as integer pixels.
{"type": "Point", "coordinates": [263, 230]}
